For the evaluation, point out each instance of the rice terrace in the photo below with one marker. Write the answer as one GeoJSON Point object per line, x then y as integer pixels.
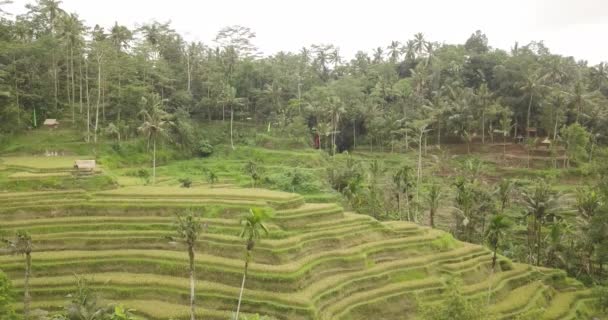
{"type": "Point", "coordinates": [147, 176]}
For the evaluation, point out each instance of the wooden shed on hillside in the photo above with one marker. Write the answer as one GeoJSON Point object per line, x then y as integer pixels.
{"type": "Point", "coordinates": [85, 165]}
{"type": "Point", "coordinates": [51, 123]}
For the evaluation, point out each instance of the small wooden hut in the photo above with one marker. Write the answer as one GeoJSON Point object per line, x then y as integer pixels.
{"type": "Point", "coordinates": [85, 165]}
{"type": "Point", "coordinates": [51, 123]}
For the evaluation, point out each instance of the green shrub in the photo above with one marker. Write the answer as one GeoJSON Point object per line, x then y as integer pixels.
{"type": "Point", "coordinates": [445, 242]}
{"type": "Point", "coordinates": [296, 180]}
{"type": "Point", "coordinates": [185, 182]}
{"type": "Point", "coordinates": [204, 148]}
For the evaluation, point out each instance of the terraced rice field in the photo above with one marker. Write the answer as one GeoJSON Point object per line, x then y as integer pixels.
{"type": "Point", "coordinates": [319, 262]}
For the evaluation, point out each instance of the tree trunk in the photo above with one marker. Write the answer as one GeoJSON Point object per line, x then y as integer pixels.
{"type": "Point", "coordinates": [55, 81]}
{"type": "Point", "coordinates": [98, 99]}
{"type": "Point", "coordinates": [26, 286]}
{"type": "Point", "coordinates": [192, 282]}
{"type": "Point", "coordinates": [538, 243]}
{"type": "Point", "coordinates": [399, 205]}
{"type": "Point", "coordinates": [528, 117]}
{"type": "Point", "coordinates": [354, 135]}
{"type": "Point", "coordinates": [189, 72]}
{"type": "Point", "coordinates": [88, 101]}
{"type": "Point", "coordinates": [483, 127]}
{"type": "Point", "coordinates": [432, 217]}
{"type": "Point", "coordinates": [231, 121]}
{"type": "Point", "coordinates": [73, 83]}
{"type": "Point", "coordinates": [238, 308]}
{"type": "Point", "coordinates": [80, 83]}
{"type": "Point", "coordinates": [154, 161]}
{"type": "Point", "coordinates": [438, 135]}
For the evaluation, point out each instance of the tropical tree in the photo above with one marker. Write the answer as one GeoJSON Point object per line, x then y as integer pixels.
{"type": "Point", "coordinates": [531, 86]}
{"type": "Point", "coordinates": [231, 100]}
{"type": "Point", "coordinates": [484, 97]}
{"type": "Point", "coordinates": [155, 125]}
{"type": "Point", "coordinates": [495, 233]}
{"type": "Point", "coordinates": [540, 203]}
{"type": "Point", "coordinates": [22, 245]}
{"type": "Point", "coordinates": [404, 183]}
{"type": "Point", "coordinates": [253, 228]}
{"type": "Point", "coordinates": [433, 201]}
{"type": "Point", "coordinates": [189, 228]}
{"type": "Point", "coordinates": [505, 192]}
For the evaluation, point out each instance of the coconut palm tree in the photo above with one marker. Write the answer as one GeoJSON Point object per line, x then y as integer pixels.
{"type": "Point", "coordinates": [497, 230]}
{"type": "Point", "coordinates": [433, 200]}
{"type": "Point", "coordinates": [540, 203]}
{"type": "Point", "coordinates": [22, 245]}
{"type": "Point", "coordinates": [505, 193]}
{"type": "Point", "coordinates": [231, 100]}
{"type": "Point", "coordinates": [253, 229]}
{"type": "Point", "coordinates": [531, 86]}
{"type": "Point", "coordinates": [188, 229]}
{"type": "Point", "coordinates": [156, 122]}
{"type": "Point", "coordinates": [404, 182]}
{"type": "Point", "coordinates": [419, 43]}
{"type": "Point", "coordinates": [484, 97]}
{"type": "Point", "coordinates": [394, 51]}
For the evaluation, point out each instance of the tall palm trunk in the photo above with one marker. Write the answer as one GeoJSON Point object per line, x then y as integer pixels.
{"type": "Point", "coordinates": [231, 124]}
{"type": "Point", "coordinates": [98, 98]}
{"type": "Point", "coordinates": [191, 257]}
{"type": "Point", "coordinates": [528, 116]}
{"type": "Point", "coordinates": [432, 217]}
{"type": "Point", "coordinates": [73, 84]}
{"type": "Point", "coordinates": [154, 160]}
{"type": "Point", "coordinates": [26, 286]}
{"type": "Point", "coordinates": [86, 70]}
{"type": "Point", "coordinates": [483, 127]}
{"type": "Point", "coordinates": [438, 134]}
{"type": "Point", "coordinates": [238, 308]}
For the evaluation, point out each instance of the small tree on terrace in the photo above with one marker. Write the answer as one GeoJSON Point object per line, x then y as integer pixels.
{"type": "Point", "coordinates": [433, 200]}
{"type": "Point", "coordinates": [253, 229]}
{"type": "Point", "coordinates": [496, 232]}
{"type": "Point", "coordinates": [188, 229]}
{"type": "Point", "coordinates": [22, 245]}
{"type": "Point", "coordinates": [404, 183]}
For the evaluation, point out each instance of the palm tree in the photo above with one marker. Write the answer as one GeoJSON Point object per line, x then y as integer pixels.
{"type": "Point", "coordinates": [484, 95]}
{"type": "Point", "coordinates": [188, 229]}
{"type": "Point", "coordinates": [505, 130]}
{"type": "Point", "coordinates": [539, 203]}
{"type": "Point", "coordinates": [505, 193]}
{"type": "Point", "coordinates": [433, 200]}
{"type": "Point", "coordinates": [599, 75]}
{"type": "Point", "coordinates": [410, 50]}
{"type": "Point", "coordinates": [154, 125]}
{"type": "Point", "coordinates": [253, 227]}
{"type": "Point", "coordinates": [419, 43]}
{"type": "Point", "coordinates": [404, 182]}
{"type": "Point", "coordinates": [531, 86]}
{"type": "Point", "coordinates": [22, 244]}
{"type": "Point", "coordinates": [230, 99]}
{"type": "Point", "coordinates": [497, 230]}
{"type": "Point", "coordinates": [580, 98]}
{"type": "Point", "coordinates": [72, 30]}
{"type": "Point", "coordinates": [378, 54]}
{"type": "Point", "coordinates": [394, 51]}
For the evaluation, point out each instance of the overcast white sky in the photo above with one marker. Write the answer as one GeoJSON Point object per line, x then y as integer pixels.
{"type": "Point", "coordinates": [570, 27]}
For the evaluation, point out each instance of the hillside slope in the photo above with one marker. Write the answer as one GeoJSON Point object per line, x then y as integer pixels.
{"type": "Point", "coordinates": [318, 263]}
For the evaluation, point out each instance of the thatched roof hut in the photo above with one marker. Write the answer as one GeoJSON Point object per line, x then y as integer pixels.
{"type": "Point", "coordinates": [51, 123]}
{"type": "Point", "coordinates": [85, 165]}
